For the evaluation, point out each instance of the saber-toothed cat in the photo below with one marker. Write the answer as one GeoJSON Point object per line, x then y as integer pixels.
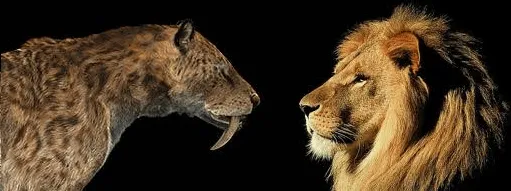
{"type": "Point", "coordinates": [65, 103]}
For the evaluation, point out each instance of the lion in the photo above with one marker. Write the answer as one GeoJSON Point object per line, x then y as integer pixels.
{"type": "Point", "coordinates": [65, 103]}
{"type": "Point", "coordinates": [410, 106]}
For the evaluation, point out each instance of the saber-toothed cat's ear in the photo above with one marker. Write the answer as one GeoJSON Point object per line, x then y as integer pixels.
{"type": "Point", "coordinates": [184, 35]}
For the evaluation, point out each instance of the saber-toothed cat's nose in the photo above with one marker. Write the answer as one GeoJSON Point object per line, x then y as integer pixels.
{"type": "Point", "coordinates": [254, 98]}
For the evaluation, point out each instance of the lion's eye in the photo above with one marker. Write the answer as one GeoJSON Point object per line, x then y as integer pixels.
{"type": "Point", "coordinates": [359, 78]}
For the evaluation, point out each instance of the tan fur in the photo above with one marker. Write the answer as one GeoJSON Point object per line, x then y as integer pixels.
{"type": "Point", "coordinates": [426, 116]}
{"type": "Point", "coordinates": [65, 103]}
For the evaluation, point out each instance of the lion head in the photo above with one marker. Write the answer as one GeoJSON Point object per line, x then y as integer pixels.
{"type": "Point", "coordinates": [410, 106]}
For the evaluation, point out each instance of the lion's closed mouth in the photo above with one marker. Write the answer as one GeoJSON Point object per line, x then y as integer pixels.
{"type": "Point", "coordinates": [344, 134]}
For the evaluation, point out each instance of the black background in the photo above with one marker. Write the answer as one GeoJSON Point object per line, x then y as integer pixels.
{"type": "Point", "coordinates": [284, 50]}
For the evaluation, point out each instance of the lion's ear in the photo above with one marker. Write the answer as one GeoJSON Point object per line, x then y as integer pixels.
{"type": "Point", "coordinates": [404, 50]}
{"type": "Point", "coordinates": [184, 35]}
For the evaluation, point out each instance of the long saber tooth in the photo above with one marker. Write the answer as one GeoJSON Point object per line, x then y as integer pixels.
{"type": "Point", "coordinates": [227, 135]}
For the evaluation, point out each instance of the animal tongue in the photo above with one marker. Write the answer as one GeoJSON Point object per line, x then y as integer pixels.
{"type": "Point", "coordinates": [227, 135]}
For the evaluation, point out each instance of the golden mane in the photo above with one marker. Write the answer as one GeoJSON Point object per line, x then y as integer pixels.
{"type": "Point", "coordinates": [442, 131]}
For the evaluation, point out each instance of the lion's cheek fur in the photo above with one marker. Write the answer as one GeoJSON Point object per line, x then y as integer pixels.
{"type": "Point", "coordinates": [320, 147]}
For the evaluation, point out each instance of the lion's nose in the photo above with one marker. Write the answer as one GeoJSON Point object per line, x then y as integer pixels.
{"type": "Point", "coordinates": [254, 98]}
{"type": "Point", "coordinates": [307, 109]}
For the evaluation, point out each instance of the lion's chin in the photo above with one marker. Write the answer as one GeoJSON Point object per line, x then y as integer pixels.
{"type": "Point", "coordinates": [321, 148]}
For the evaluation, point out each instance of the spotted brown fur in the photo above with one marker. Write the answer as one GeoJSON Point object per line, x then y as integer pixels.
{"type": "Point", "coordinates": [65, 102]}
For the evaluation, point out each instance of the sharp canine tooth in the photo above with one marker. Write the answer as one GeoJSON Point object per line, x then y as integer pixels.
{"type": "Point", "coordinates": [228, 133]}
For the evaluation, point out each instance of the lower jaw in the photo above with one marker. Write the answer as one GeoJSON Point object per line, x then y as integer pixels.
{"type": "Point", "coordinates": [322, 148]}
